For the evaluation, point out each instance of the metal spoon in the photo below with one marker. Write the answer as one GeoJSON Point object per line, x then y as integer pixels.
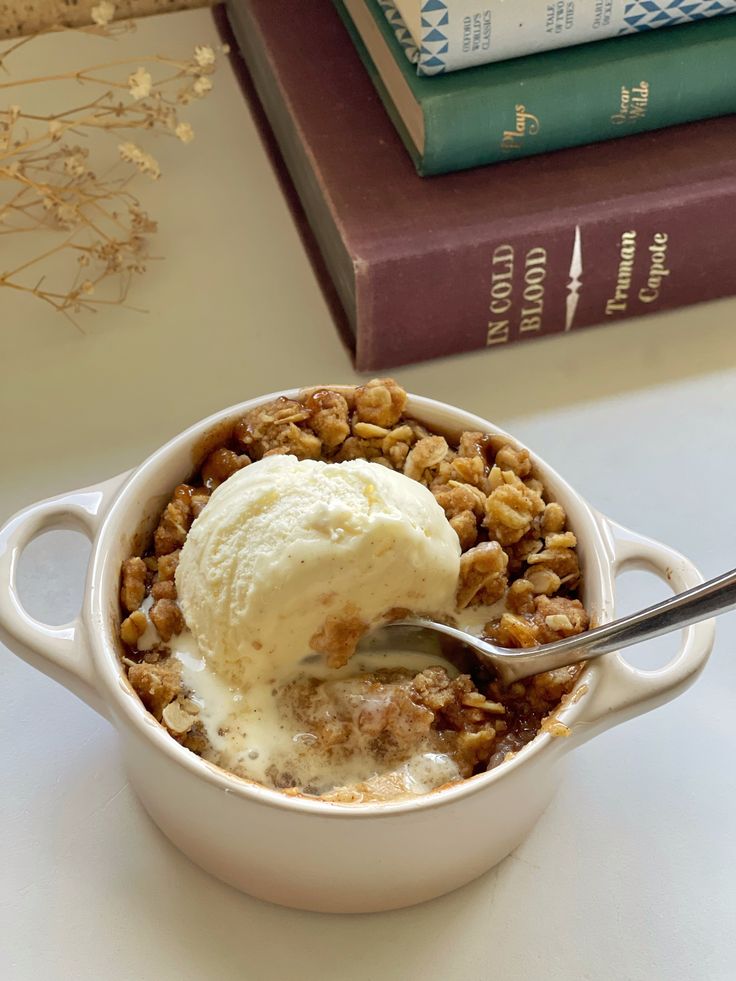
{"type": "Point", "coordinates": [716, 596]}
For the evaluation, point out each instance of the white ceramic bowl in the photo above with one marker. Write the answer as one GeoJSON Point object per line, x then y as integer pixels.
{"type": "Point", "coordinates": [308, 853]}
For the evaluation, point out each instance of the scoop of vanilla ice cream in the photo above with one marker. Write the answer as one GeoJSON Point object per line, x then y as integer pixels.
{"type": "Point", "coordinates": [285, 543]}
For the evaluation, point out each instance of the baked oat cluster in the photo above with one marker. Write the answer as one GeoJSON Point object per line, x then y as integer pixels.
{"type": "Point", "coordinates": [515, 547]}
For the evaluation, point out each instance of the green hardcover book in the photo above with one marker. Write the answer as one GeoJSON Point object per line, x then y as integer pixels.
{"type": "Point", "coordinates": [547, 101]}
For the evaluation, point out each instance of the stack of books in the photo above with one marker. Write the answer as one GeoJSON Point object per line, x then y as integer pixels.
{"type": "Point", "coordinates": [461, 243]}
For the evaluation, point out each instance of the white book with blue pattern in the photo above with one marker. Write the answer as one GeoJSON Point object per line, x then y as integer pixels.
{"type": "Point", "coordinates": [441, 36]}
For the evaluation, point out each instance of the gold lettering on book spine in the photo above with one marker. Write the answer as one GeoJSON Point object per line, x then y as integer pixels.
{"type": "Point", "coordinates": [627, 254]}
{"type": "Point", "coordinates": [517, 309]}
{"type": "Point", "coordinates": [657, 272]}
{"type": "Point", "coordinates": [529, 318]}
{"type": "Point", "coordinates": [535, 273]}
{"type": "Point", "coordinates": [526, 124]}
{"type": "Point", "coordinates": [502, 274]}
{"type": "Point", "coordinates": [633, 103]}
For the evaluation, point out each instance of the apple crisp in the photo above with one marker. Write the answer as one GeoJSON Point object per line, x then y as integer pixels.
{"type": "Point", "coordinates": [518, 561]}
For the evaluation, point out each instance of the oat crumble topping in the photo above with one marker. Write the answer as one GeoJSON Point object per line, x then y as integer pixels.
{"type": "Point", "coordinates": [515, 546]}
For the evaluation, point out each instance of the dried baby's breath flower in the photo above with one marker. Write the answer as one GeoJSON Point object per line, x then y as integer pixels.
{"type": "Point", "coordinates": [103, 12]}
{"type": "Point", "coordinates": [51, 186]}
{"type": "Point", "coordinates": [140, 83]}
{"type": "Point", "coordinates": [202, 86]}
{"type": "Point", "coordinates": [146, 164]}
{"type": "Point", "coordinates": [75, 166]}
{"type": "Point", "coordinates": [67, 214]}
{"type": "Point", "coordinates": [140, 221]}
{"type": "Point", "coordinates": [185, 132]}
{"type": "Point", "coordinates": [204, 56]}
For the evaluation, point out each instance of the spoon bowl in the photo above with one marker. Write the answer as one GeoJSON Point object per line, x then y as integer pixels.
{"type": "Point", "coordinates": [463, 649]}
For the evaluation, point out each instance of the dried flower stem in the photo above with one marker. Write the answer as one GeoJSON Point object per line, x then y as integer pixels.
{"type": "Point", "coordinates": [85, 74]}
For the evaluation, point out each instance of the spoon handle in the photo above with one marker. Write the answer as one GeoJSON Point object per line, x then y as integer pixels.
{"type": "Point", "coordinates": [715, 596]}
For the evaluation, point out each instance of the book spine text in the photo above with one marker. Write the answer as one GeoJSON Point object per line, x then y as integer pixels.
{"type": "Point", "coordinates": [441, 36]}
{"type": "Point", "coordinates": [551, 101]}
{"type": "Point", "coordinates": [588, 270]}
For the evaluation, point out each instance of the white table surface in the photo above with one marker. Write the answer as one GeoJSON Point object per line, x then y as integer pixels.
{"type": "Point", "coordinates": [630, 874]}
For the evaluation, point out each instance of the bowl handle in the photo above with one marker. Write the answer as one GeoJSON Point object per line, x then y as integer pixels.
{"type": "Point", "coordinates": [625, 691]}
{"type": "Point", "coordinates": [61, 652]}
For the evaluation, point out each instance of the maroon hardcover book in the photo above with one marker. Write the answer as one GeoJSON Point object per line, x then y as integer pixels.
{"type": "Point", "coordinates": [430, 267]}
